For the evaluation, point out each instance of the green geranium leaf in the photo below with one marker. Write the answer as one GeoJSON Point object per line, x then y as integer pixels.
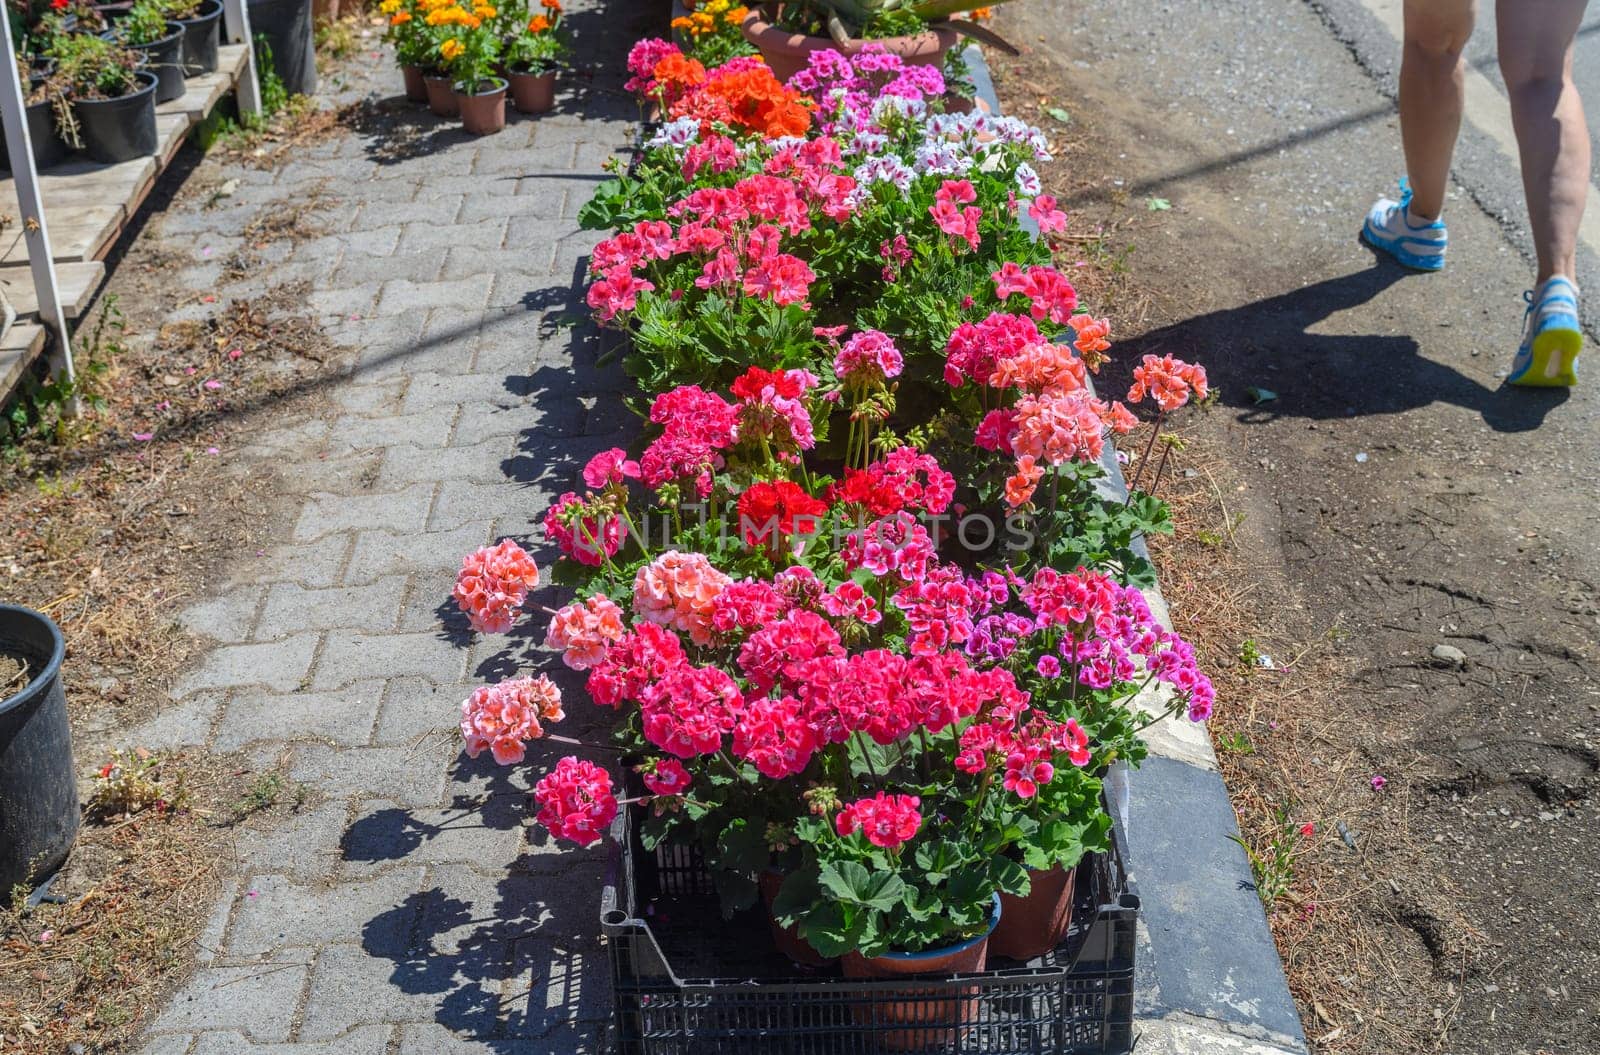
{"type": "Point", "coordinates": [852, 883]}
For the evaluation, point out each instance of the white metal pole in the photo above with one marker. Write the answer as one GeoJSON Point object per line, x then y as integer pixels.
{"type": "Point", "coordinates": [236, 19]}
{"type": "Point", "coordinates": [13, 112]}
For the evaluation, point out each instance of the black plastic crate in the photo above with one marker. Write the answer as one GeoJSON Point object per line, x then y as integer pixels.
{"type": "Point", "coordinates": [687, 982]}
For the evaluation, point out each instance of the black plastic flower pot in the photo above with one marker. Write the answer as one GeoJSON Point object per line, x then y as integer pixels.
{"type": "Point", "coordinates": [48, 149]}
{"type": "Point", "coordinates": [38, 788]}
{"type": "Point", "coordinates": [201, 35]}
{"type": "Point", "coordinates": [287, 26]}
{"type": "Point", "coordinates": [164, 58]}
{"type": "Point", "coordinates": [119, 129]}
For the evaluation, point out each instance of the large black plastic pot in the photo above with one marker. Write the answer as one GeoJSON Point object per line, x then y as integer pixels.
{"type": "Point", "coordinates": [201, 34]}
{"type": "Point", "coordinates": [119, 129]}
{"type": "Point", "coordinates": [38, 788]}
{"type": "Point", "coordinates": [164, 58]}
{"type": "Point", "coordinates": [287, 26]}
{"type": "Point", "coordinates": [48, 149]}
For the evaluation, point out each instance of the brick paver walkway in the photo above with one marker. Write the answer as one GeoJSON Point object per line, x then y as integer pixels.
{"type": "Point", "coordinates": [409, 907]}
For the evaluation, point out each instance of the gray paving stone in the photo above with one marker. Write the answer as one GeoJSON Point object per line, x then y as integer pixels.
{"type": "Point", "coordinates": [371, 397]}
{"type": "Point", "coordinates": [429, 607]}
{"type": "Point", "coordinates": [172, 1044]}
{"type": "Point", "coordinates": [413, 708]}
{"type": "Point", "coordinates": [462, 296]}
{"type": "Point", "coordinates": [488, 233]}
{"type": "Point", "coordinates": [350, 656]}
{"type": "Point", "coordinates": [353, 432]}
{"type": "Point", "coordinates": [353, 988]}
{"type": "Point", "coordinates": [395, 508]}
{"type": "Point", "coordinates": [561, 992]}
{"type": "Point", "coordinates": [183, 723]}
{"type": "Point", "coordinates": [433, 390]}
{"type": "Point", "coordinates": [226, 617]}
{"type": "Point", "coordinates": [469, 261]}
{"type": "Point", "coordinates": [484, 831]}
{"type": "Point", "coordinates": [344, 301]}
{"type": "Point", "coordinates": [462, 502]}
{"type": "Point", "coordinates": [356, 269]}
{"type": "Point", "coordinates": [380, 552]}
{"type": "Point", "coordinates": [430, 205]}
{"type": "Point", "coordinates": [345, 716]}
{"type": "Point", "coordinates": [363, 1040]}
{"type": "Point", "coordinates": [291, 608]}
{"type": "Point", "coordinates": [276, 913]}
{"type": "Point", "coordinates": [483, 462]}
{"type": "Point", "coordinates": [482, 421]}
{"type": "Point", "coordinates": [282, 665]}
{"type": "Point", "coordinates": [208, 947]}
{"type": "Point", "coordinates": [258, 1000]}
{"type": "Point", "coordinates": [434, 1039]}
{"type": "Point", "coordinates": [412, 777]}
{"type": "Point", "coordinates": [314, 564]}
{"type": "Point", "coordinates": [306, 846]}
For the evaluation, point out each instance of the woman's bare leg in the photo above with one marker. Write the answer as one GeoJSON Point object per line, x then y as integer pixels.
{"type": "Point", "coordinates": [1536, 43]}
{"type": "Point", "coordinates": [1431, 95]}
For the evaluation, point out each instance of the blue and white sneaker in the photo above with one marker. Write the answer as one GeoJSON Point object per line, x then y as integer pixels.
{"type": "Point", "coordinates": [1389, 227]}
{"type": "Point", "coordinates": [1551, 337]}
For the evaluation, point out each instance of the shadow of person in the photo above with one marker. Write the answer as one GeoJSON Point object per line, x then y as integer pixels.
{"type": "Point", "coordinates": [1269, 344]}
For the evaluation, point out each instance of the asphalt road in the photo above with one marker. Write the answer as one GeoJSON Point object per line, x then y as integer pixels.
{"type": "Point", "coordinates": [1391, 488]}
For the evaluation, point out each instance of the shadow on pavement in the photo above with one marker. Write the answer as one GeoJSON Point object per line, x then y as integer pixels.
{"type": "Point", "coordinates": [1321, 376]}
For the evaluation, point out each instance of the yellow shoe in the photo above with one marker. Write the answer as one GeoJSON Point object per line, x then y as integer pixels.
{"type": "Point", "coordinates": [1551, 337]}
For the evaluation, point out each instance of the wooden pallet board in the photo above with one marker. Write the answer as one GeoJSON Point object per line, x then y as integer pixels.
{"type": "Point", "coordinates": [76, 282]}
{"type": "Point", "coordinates": [21, 344]}
{"type": "Point", "coordinates": [87, 206]}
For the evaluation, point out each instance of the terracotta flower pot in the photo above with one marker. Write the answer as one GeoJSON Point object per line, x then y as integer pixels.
{"type": "Point", "coordinates": [938, 1016]}
{"type": "Point", "coordinates": [787, 53]}
{"type": "Point", "coordinates": [787, 939]}
{"type": "Point", "coordinates": [441, 95]}
{"type": "Point", "coordinates": [483, 113]}
{"type": "Point", "coordinates": [416, 90]}
{"type": "Point", "coordinates": [532, 93]}
{"type": "Point", "coordinates": [1033, 925]}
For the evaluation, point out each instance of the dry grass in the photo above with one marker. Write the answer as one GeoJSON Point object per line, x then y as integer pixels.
{"type": "Point", "coordinates": [85, 967]}
{"type": "Point", "coordinates": [111, 521]}
{"type": "Point", "coordinates": [1346, 935]}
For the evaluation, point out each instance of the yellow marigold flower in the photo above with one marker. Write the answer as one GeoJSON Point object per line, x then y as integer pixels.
{"type": "Point", "coordinates": [484, 11]}
{"type": "Point", "coordinates": [451, 48]}
{"type": "Point", "coordinates": [389, 7]}
{"type": "Point", "coordinates": [471, 21]}
{"type": "Point", "coordinates": [716, 7]}
{"type": "Point", "coordinates": [400, 18]}
{"type": "Point", "coordinates": [681, 22]}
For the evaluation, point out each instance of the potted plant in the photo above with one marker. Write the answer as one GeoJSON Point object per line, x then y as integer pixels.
{"type": "Point", "coordinates": [533, 53]}
{"type": "Point", "coordinates": [712, 31]}
{"type": "Point", "coordinates": [113, 106]}
{"type": "Point", "coordinates": [919, 31]}
{"type": "Point", "coordinates": [470, 50]}
{"type": "Point", "coordinates": [286, 25]}
{"type": "Point", "coordinates": [413, 49]}
{"type": "Point", "coordinates": [41, 109]}
{"type": "Point", "coordinates": [38, 788]}
{"type": "Point", "coordinates": [146, 29]}
{"type": "Point", "coordinates": [202, 31]}
{"type": "Point", "coordinates": [444, 24]}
